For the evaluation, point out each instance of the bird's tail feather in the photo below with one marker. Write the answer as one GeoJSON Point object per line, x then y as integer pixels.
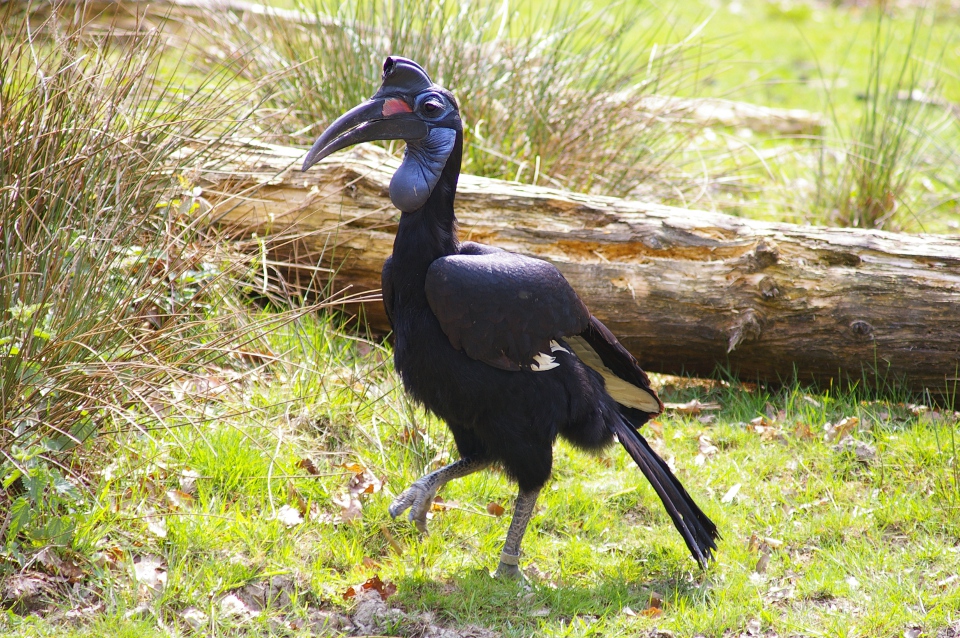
{"type": "Point", "coordinates": [698, 531]}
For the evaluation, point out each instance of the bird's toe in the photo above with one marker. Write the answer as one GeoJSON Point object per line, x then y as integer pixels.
{"type": "Point", "coordinates": [418, 499]}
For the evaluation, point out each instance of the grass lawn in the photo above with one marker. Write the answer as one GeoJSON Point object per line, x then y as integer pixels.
{"type": "Point", "coordinates": [244, 491]}
{"type": "Point", "coordinates": [293, 482]}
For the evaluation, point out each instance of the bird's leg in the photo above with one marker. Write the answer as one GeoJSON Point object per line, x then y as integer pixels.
{"type": "Point", "coordinates": [419, 496]}
{"type": "Point", "coordinates": [509, 566]}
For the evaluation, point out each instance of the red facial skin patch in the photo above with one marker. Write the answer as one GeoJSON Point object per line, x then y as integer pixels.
{"type": "Point", "coordinates": [394, 105]}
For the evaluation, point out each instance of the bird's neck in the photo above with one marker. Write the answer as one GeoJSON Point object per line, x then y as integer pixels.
{"type": "Point", "coordinates": [430, 232]}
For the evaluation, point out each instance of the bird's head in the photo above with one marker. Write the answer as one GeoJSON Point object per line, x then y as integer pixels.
{"type": "Point", "coordinates": [408, 106]}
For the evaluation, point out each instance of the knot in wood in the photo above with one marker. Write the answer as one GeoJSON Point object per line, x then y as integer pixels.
{"type": "Point", "coordinates": [862, 329]}
{"type": "Point", "coordinates": [768, 288]}
{"type": "Point", "coordinates": [767, 253]}
{"type": "Point", "coordinates": [746, 328]}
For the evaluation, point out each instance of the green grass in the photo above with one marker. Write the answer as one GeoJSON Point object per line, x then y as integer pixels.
{"type": "Point", "coordinates": [857, 549]}
{"type": "Point", "coordinates": [210, 485]}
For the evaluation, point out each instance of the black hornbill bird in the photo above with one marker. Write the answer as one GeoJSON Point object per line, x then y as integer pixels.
{"type": "Point", "coordinates": [496, 344]}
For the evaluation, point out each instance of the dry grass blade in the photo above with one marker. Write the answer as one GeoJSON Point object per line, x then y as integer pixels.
{"type": "Point", "coordinates": [107, 281]}
{"type": "Point", "coordinates": [557, 104]}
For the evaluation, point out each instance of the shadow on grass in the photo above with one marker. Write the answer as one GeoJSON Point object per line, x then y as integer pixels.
{"type": "Point", "coordinates": [476, 597]}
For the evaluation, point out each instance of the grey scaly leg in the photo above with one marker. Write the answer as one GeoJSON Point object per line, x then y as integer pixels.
{"type": "Point", "coordinates": [510, 556]}
{"type": "Point", "coordinates": [419, 496]}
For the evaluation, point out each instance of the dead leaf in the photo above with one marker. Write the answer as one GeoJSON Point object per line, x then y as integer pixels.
{"type": "Point", "coordinates": [157, 525]}
{"type": "Point", "coordinates": [916, 409]}
{"type": "Point", "coordinates": [350, 507]}
{"type": "Point", "coordinates": [364, 483]}
{"type": "Point", "coordinates": [770, 411]}
{"type": "Point", "coordinates": [440, 505]}
{"type": "Point", "coordinates": [706, 448]}
{"type": "Point", "coordinates": [294, 496]}
{"type": "Point", "coordinates": [763, 561]}
{"type": "Point", "coordinates": [656, 427]}
{"type": "Point", "coordinates": [692, 407]}
{"type": "Point", "coordinates": [369, 563]}
{"type": "Point", "coordinates": [308, 466]}
{"type": "Point", "coordinates": [843, 427]}
{"type": "Point", "coordinates": [803, 431]}
{"type": "Point", "coordinates": [384, 589]}
{"type": "Point", "coordinates": [195, 618]}
{"type": "Point", "coordinates": [233, 607]}
{"type": "Point", "coordinates": [731, 494]}
{"type": "Point", "coordinates": [179, 499]}
{"type": "Point", "coordinates": [55, 565]}
{"type": "Point", "coordinates": [289, 516]}
{"type": "Point", "coordinates": [150, 571]}
{"type": "Point", "coordinates": [628, 612]}
{"type": "Point", "coordinates": [355, 468]}
{"type": "Point", "coordinates": [496, 509]}
{"type": "Point", "coordinates": [188, 481]}
{"type": "Point", "coordinates": [864, 452]}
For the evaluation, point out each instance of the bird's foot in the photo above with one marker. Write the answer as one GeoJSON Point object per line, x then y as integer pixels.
{"type": "Point", "coordinates": [509, 569]}
{"type": "Point", "coordinates": [418, 498]}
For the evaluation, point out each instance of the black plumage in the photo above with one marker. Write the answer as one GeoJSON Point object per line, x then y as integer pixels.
{"type": "Point", "coordinates": [496, 344]}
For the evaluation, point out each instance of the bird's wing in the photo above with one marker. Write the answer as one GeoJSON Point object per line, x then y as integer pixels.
{"type": "Point", "coordinates": [386, 288]}
{"type": "Point", "coordinates": [501, 308]}
{"type": "Point", "coordinates": [625, 380]}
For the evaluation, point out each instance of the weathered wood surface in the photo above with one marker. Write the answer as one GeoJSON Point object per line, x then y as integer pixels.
{"type": "Point", "coordinates": [684, 290]}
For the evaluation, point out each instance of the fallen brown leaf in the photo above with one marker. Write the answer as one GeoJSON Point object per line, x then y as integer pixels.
{"type": "Point", "coordinates": [803, 431]}
{"type": "Point", "coordinates": [692, 407]}
{"type": "Point", "coordinates": [843, 427]}
{"type": "Point", "coordinates": [496, 509]}
{"type": "Point", "coordinates": [308, 466]}
{"type": "Point", "coordinates": [54, 565]}
{"type": "Point", "coordinates": [356, 468]}
{"type": "Point", "coordinates": [384, 589]}
{"type": "Point", "coordinates": [763, 561]}
{"type": "Point", "coordinates": [766, 429]}
{"type": "Point", "coordinates": [440, 505]}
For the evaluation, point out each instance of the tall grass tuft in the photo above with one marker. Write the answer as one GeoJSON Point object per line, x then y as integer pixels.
{"type": "Point", "coordinates": [105, 288]}
{"type": "Point", "coordinates": [548, 95]}
{"type": "Point", "coordinates": [888, 147]}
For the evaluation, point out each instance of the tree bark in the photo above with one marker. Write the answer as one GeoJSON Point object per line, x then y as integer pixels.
{"type": "Point", "coordinates": [686, 291]}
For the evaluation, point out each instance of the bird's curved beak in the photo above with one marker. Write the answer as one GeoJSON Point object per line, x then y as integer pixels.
{"type": "Point", "coordinates": [376, 119]}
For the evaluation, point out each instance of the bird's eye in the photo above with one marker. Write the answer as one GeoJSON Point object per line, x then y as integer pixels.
{"type": "Point", "coordinates": [432, 107]}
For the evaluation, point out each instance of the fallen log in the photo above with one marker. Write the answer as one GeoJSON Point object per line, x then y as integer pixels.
{"type": "Point", "coordinates": [685, 290]}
